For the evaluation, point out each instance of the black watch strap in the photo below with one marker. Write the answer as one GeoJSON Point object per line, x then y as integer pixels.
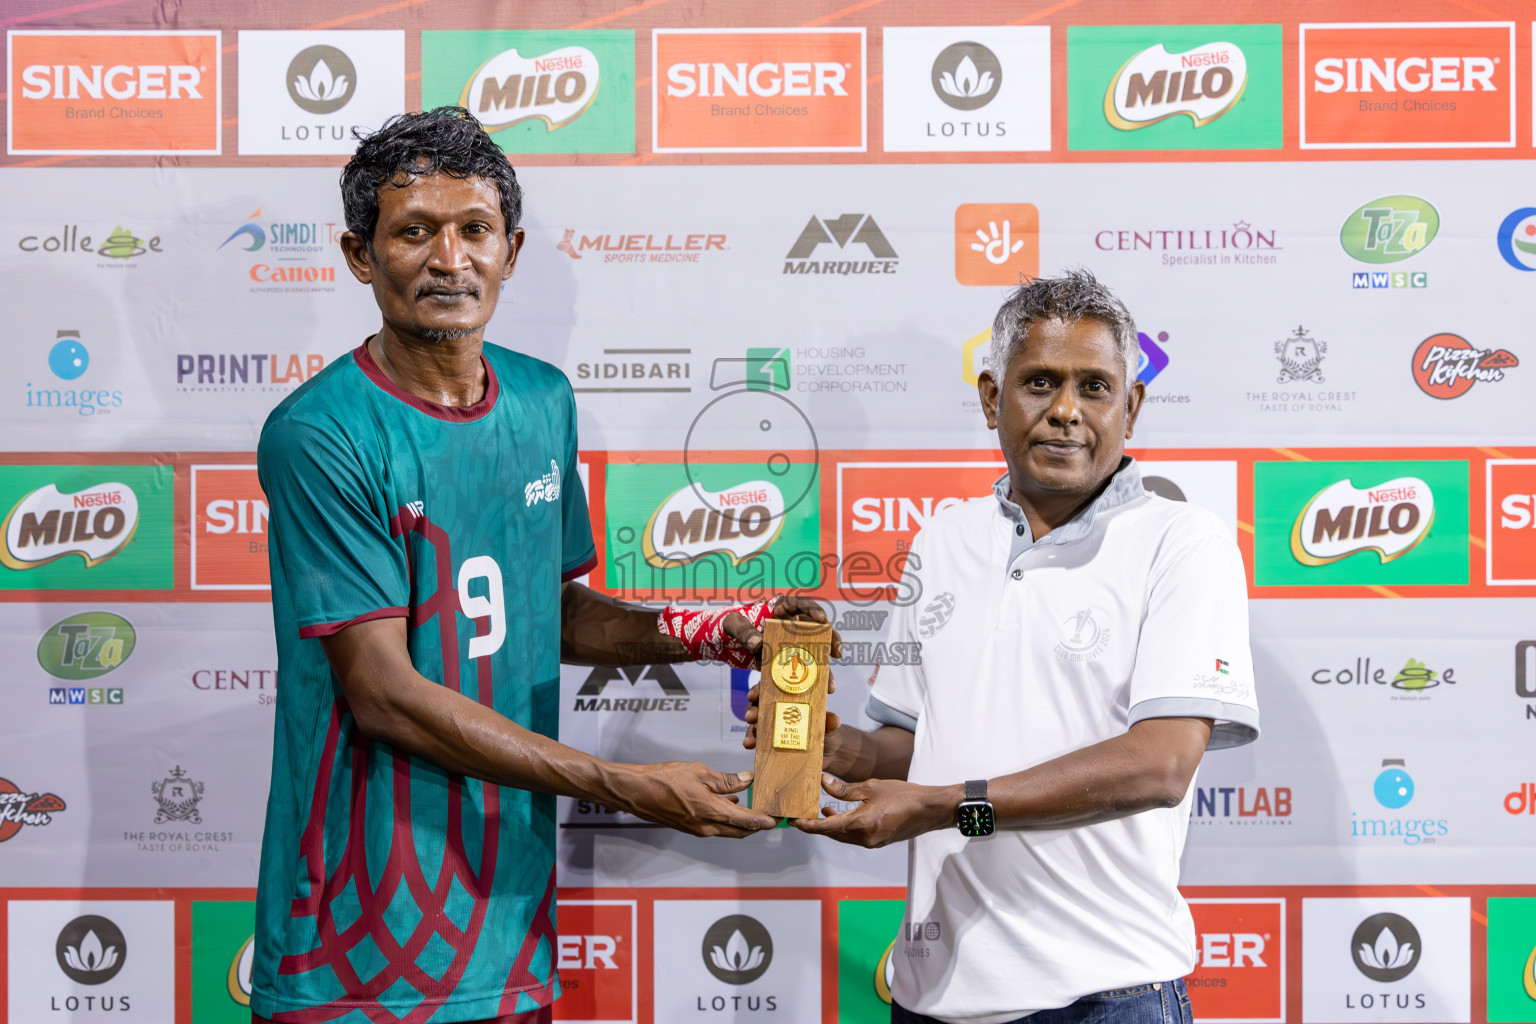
{"type": "Point", "coordinates": [976, 789]}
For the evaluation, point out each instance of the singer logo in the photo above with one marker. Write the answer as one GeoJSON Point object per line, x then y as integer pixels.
{"type": "Point", "coordinates": [996, 243]}
{"type": "Point", "coordinates": [773, 90]}
{"type": "Point", "coordinates": [1511, 522]}
{"type": "Point", "coordinates": [1389, 519]}
{"type": "Point", "coordinates": [882, 505]}
{"type": "Point", "coordinates": [79, 92]}
{"type": "Point", "coordinates": [595, 955]}
{"type": "Point", "coordinates": [229, 529]}
{"type": "Point", "coordinates": [1240, 975]}
{"type": "Point", "coordinates": [1426, 85]}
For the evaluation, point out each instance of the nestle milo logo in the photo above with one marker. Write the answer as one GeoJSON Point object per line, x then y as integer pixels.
{"type": "Point", "coordinates": [1390, 229]}
{"type": "Point", "coordinates": [1201, 83]}
{"type": "Point", "coordinates": [1342, 519]}
{"type": "Point", "coordinates": [95, 523]}
{"type": "Point", "coordinates": [87, 645]}
{"type": "Point", "coordinates": [693, 522]}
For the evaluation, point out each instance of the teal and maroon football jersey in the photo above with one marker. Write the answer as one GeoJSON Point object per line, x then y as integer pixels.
{"type": "Point", "coordinates": [390, 889]}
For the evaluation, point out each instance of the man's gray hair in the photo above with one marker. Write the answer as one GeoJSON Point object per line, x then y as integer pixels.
{"type": "Point", "coordinates": [1076, 295]}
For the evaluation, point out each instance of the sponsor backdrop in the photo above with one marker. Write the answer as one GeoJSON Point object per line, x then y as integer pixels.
{"type": "Point", "coordinates": [765, 244]}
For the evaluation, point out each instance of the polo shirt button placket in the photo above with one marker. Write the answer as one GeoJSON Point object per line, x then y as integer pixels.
{"type": "Point", "coordinates": [1018, 574]}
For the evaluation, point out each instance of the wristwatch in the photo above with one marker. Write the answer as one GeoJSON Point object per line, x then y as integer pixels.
{"type": "Point", "coordinates": [974, 815]}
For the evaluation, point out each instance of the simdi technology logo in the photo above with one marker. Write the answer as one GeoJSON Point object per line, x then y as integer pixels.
{"type": "Point", "coordinates": [1365, 523]}
{"type": "Point", "coordinates": [538, 92]}
{"type": "Point", "coordinates": [114, 92]}
{"type": "Point", "coordinates": [1174, 87]}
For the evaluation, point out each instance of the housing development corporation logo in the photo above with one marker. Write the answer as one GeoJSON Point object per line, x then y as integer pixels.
{"type": "Point", "coordinates": [538, 92]}
{"type": "Point", "coordinates": [770, 90]}
{"type": "Point", "coordinates": [1422, 85]}
{"type": "Point", "coordinates": [1447, 365]}
{"type": "Point", "coordinates": [849, 230]}
{"type": "Point", "coordinates": [1174, 87]}
{"type": "Point", "coordinates": [83, 92]}
{"type": "Point", "coordinates": [1516, 238]}
{"type": "Point", "coordinates": [307, 92]}
{"type": "Point", "coordinates": [971, 89]}
{"type": "Point", "coordinates": [19, 809]}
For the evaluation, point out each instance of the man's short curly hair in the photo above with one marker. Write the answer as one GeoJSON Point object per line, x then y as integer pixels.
{"type": "Point", "coordinates": [447, 140]}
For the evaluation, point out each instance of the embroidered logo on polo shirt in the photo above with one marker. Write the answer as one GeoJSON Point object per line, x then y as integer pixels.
{"type": "Point", "coordinates": [1085, 639]}
{"type": "Point", "coordinates": [936, 615]}
{"type": "Point", "coordinates": [545, 488]}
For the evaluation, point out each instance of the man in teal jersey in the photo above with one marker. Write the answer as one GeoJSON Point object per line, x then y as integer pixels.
{"type": "Point", "coordinates": [427, 514]}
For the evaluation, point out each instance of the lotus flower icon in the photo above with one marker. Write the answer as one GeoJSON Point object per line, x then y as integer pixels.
{"type": "Point", "coordinates": [1386, 947]}
{"type": "Point", "coordinates": [321, 79]}
{"type": "Point", "coordinates": [738, 955]}
{"type": "Point", "coordinates": [1386, 954]}
{"type": "Point", "coordinates": [321, 86]}
{"type": "Point", "coordinates": [966, 81]}
{"type": "Point", "coordinates": [90, 956]}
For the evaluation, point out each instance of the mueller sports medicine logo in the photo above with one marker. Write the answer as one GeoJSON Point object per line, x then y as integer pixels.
{"type": "Point", "coordinates": [1202, 84]}
{"type": "Point", "coordinates": [784, 90]}
{"type": "Point", "coordinates": [81, 92]}
{"type": "Point", "coordinates": [855, 234]}
{"type": "Point", "coordinates": [647, 247]}
{"type": "Point", "coordinates": [555, 87]}
{"type": "Point", "coordinates": [95, 523]}
{"type": "Point", "coordinates": [740, 522]}
{"type": "Point", "coordinates": [1446, 365]}
{"type": "Point", "coordinates": [1342, 519]}
{"type": "Point", "coordinates": [1424, 85]}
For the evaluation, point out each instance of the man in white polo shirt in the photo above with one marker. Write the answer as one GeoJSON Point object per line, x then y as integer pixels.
{"type": "Point", "coordinates": [1084, 642]}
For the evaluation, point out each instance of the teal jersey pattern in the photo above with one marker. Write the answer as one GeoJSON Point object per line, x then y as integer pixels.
{"type": "Point", "coordinates": [392, 890]}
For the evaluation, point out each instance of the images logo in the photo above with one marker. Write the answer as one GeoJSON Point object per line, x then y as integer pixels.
{"type": "Point", "coordinates": [1394, 786]}
{"type": "Point", "coordinates": [1425, 85]}
{"type": "Point", "coordinates": [1393, 789]}
{"type": "Point", "coordinates": [119, 527]}
{"type": "Point", "coordinates": [1174, 87]}
{"type": "Point", "coordinates": [1389, 229]}
{"type": "Point", "coordinates": [967, 89]}
{"type": "Point", "coordinates": [86, 645]}
{"type": "Point", "coordinates": [1316, 522]}
{"type": "Point", "coordinates": [857, 228]}
{"type": "Point", "coordinates": [1511, 522]}
{"type": "Point", "coordinates": [1446, 365]}
{"type": "Point", "coordinates": [772, 90]}
{"type": "Point", "coordinates": [95, 523]}
{"type": "Point", "coordinates": [538, 92]}
{"type": "Point", "coordinates": [996, 243]}
{"type": "Point", "coordinates": [1517, 238]}
{"type": "Point", "coordinates": [1386, 947]}
{"type": "Point", "coordinates": [82, 92]}
{"type": "Point", "coordinates": [737, 949]}
{"type": "Point", "coordinates": [69, 359]}
{"type": "Point", "coordinates": [18, 809]}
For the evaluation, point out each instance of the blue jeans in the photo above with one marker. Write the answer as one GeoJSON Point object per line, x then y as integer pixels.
{"type": "Point", "coordinates": [1165, 1003]}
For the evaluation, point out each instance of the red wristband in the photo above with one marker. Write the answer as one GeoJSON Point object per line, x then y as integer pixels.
{"type": "Point", "coordinates": [703, 633]}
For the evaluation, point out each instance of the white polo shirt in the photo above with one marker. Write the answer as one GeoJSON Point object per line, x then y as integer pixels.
{"type": "Point", "coordinates": [1136, 609]}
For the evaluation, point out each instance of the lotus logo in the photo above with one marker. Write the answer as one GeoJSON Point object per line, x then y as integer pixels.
{"type": "Point", "coordinates": [321, 79]}
{"type": "Point", "coordinates": [91, 950]}
{"type": "Point", "coordinates": [737, 949]}
{"type": "Point", "coordinates": [1389, 229]}
{"type": "Point", "coordinates": [739, 522]}
{"type": "Point", "coordinates": [1154, 85]}
{"type": "Point", "coordinates": [967, 75]}
{"type": "Point", "coordinates": [1342, 519]}
{"type": "Point", "coordinates": [1386, 947]}
{"type": "Point", "coordinates": [48, 524]}
{"type": "Point", "coordinates": [556, 87]}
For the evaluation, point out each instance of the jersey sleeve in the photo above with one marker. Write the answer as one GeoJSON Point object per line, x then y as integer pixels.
{"type": "Point", "coordinates": [897, 692]}
{"type": "Point", "coordinates": [333, 559]}
{"type": "Point", "coordinates": [580, 554]}
{"type": "Point", "coordinates": [1192, 658]}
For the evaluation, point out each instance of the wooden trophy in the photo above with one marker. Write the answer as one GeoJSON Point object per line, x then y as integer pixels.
{"type": "Point", "coordinates": [792, 718]}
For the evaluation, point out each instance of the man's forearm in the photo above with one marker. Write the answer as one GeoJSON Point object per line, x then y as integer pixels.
{"type": "Point", "coordinates": [854, 755]}
{"type": "Point", "coordinates": [596, 629]}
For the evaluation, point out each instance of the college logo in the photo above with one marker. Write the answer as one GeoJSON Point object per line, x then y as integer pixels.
{"type": "Point", "coordinates": [595, 954]}
{"type": "Point", "coordinates": [1415, 676]}
{"type": "Point", "coordinates": [1425, 85]}
{"type": "Point", "coordinates": [1386, 947]}
{"type": "Point", "coordinates": [91, 950]}
{"type": "Point", "coordinates": [120, 248]}
{"type": "Point", "coordinates": [89, 93]}
{"type": "Point", "coordinates": [1446, 365]}
{"type": "Point", "coordinates": [223, 955]}
{"type": "Point", "coordinates": [94, 523]}
{"type": "Point", "coordinates": [86, 645]}
{"type": "Point", "coordinates": [1174, 87]}
{"type": "Point", "coordinates": [68, 360]}
{"type": "Point", "coordinates": [771, 90]}
{"type": "Point", "coordinates": [851, 228]}
{"type": "Point", "coordinates": [1361, 523]}
{"type": "Point", "coordinates": [1517, 238]}
{"type": "Point", "coordinates": [996, 243]}
{"type": "Point", "coordinates": [18, 809]}
{"type": "Point", "coordinates": [1511, 522]}
{"type": "Point", "coordinates": [737, 949]}
{"type": "Point", "coordinates": [307, 92]}
{"type": "Point", "coordinates": [1240, 973]}
{"type": "Point", "coordinates": [972, 89]}
{"type": "Point", "coordinates": [538, 92]}
{"type": "Point", "coordinates": [178, 797]}
{"type": "Point", "coordinates": [882, 505]}
{"type": "Point", "coordinates": [1389, 229]}
{"type": "Point", "coordinates": [229, 529]}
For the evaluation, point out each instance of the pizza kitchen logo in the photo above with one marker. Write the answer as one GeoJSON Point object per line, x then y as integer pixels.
{"type": "Point", "coordinates": [47, 525]}
{"type": "Point", "coordinates": [1154, 85]}
{"type": "Point", "coordinates": [19, 809]}
{"type": "Point", "coordinates": [1447, 365]}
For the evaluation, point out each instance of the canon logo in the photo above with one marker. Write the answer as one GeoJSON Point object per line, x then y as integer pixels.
{"type": "Point", "coordinates": [119, 82]}
{"type": "Point", "coordinates": [1410, 74]}
{"type": "Point", "coordinates": [789, 78]}
{"type": "Point", "coordinates": [1231, 949]}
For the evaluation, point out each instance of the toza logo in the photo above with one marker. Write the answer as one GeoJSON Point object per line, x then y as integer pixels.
{"type": "Point", "coordinates": [737, 949]}
{"type": "Point", "coordinates": [91, 950]}
{"type": "Point", "coordinates": [321, 79]}
{"type": "Point", "coordinates": [1342, 519]}
{"type": "Point", "coordinates": [1446, 365]}
{"type": "Point", "coordinates": [967, 75]}
{"type": "Point", "coordinates": [1390, 229]}
{"type": "Point", "coordinates": [1154, 85]}
{"type": "Point", "coordinates": [86, 645]}
{"type": "Point", "coordinates": [95, 523]}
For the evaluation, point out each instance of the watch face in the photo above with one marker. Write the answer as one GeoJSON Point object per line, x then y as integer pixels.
{"type": "Point", "coordinates": [974, 818]}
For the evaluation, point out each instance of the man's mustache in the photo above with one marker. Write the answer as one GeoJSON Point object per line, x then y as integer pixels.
{"type": "Point", "coordinates": [448, 288]}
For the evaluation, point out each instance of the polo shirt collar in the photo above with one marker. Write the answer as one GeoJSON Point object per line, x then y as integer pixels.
{"type": "Point", "coordinates": [1124, 486]}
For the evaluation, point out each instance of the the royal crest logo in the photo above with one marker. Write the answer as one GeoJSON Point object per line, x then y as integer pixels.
{"type": "Point", "coordinates": [178, 797]}
{"type": "Point", "coordinates": [1301, 357]}
{"type": "Point", "coordinates": [1447, 365]}
{"type": "Point", "coordinates": [95, 523]}
{"type": "Point", "coordinates": [1154, 85]}
{"type": "Point", "coordinates": [1342, 519]}
{"type": "Point", "coordinates": [18, 809]}
{"type": "Point", "coordinates": [739, 521]}
{"type": "Point", "coordinates": [555, 87]}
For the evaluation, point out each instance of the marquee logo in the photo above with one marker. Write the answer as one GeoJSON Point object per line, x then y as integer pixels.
{"type": "Point", "coordinates": [692, 522]}
{"type": "Point", "coordinates": [85, 92]}
{"type": "Point", "coordinates": [1202, 84]}
{"type": "Point", "coordinates": [1424, 85]}
{"type": "Point", "coordinates": [556, 88]}
{"type": "Point", "coordinates": [1446, 365]}
{"type": "Point", "coordinates": [1342, 520]}
{"type": "Point", "coordinates": [849, 229]}
{"type": "Point", "coordinates": [1390, 229]}
{"type": "Point", "coordinates": [95, 523]}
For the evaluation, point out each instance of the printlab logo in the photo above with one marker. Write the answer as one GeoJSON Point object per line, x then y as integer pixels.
{"type": "Point", "coordinates": [1083, 638]}
{"type": "Point", "coordinates": [178, 796]}
{"type": "Point", "coordinates": [1447, 365]}
{"type": "Point", "coordinates": [91, 950]}
{"type": "Point", "coordinates": [737, 949]}
{"type": "Point", "coordinates": [86, 645]}
{"type": "Point", "coordinates": [850, 229]}
{"type": "Point", "coordinates": [18, 809]}
{"type": "Point", "coordinates": [1517, 238]}
{"type": "Point", "coordinates": [996, 243]}
{"type": "Point", "coordinates": [321, 79]}
{"type": "Point", "coordinates": [68, 360]}
{"type": "Point", "coordinates": [1386, 947]}
{"type": "Point", "coordinates": [967, 76]}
